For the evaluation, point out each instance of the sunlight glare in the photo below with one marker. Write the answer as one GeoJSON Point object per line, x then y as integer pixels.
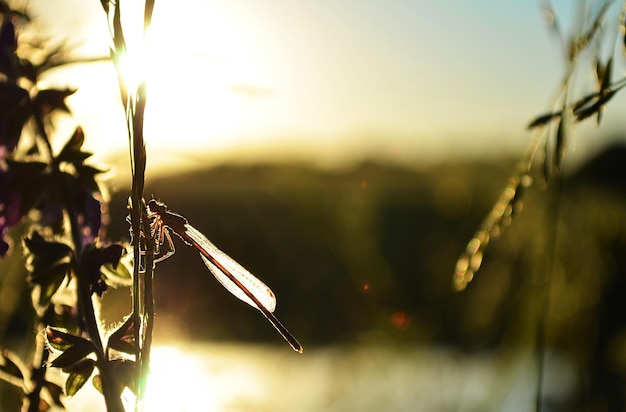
{"type": "Point", "coordinates": [183, 380]}
{"type": "Point", "coordinates": [177, 382]}
{"type": "Point", "coordinates": [194, 77]}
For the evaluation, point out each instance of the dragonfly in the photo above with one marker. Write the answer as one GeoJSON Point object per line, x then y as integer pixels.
{"type": "Point", "coordinates": [234, 277]}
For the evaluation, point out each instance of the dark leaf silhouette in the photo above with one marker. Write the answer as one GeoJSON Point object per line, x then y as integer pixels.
{"type": "Point", "coordinates": [583, 101]}
{"type": "Point", "coordinates": [10, 208]}
{"type": "Point", "coordinates": [124, 372]}
{"type": "Point", "coordinates": [48, 263]}
{"type": "Point", "coordinates": [62, 340]}
{"type": "Point", "coordinates": [14, 112]}
{"type": "Point", "coordinates": [87, 176]}
{"type": "Point", "coordinates": [606, 76]}
{"type": "Point", "coordinates": [55, 392]}
{"type": "Point", "coordinates": [93, 259]}
{"type": "Point", "coordinates": [543, 119]}
{"type": "Point", "coordinates": [8, 46]}
{"type": "Point", "coordinates": [45, 252]}
{"type": "Point", "coordinates": [71, 152]}
{"type": "Point", "coordinates": [28, 180]}
{"type": "Point", "coordinates": [118, 34]}
{"type": "Point", "coordinates": [119, 271]}
{"type": "Point", "coordinates": [559, 144]}
{"type": "Point", "coordinates": [72, 355]}
{"type": "Point", "coordinates": [589, 111]}
{"type": "Point", "coordinates": [10, 369]}
{"type": "Point", "coordinates": [51, 281]}
{"type": "Point", "coordinates": [79, 373]}
{"type": "Point", "coordinates": [49, 100]}
{"type": "Point", "coordinates": [123, 339]}
{"type": "Point", "coordinates": [61, 316]}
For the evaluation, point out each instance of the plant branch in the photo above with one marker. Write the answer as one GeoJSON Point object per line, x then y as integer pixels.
{"type": "Point", "coordinates": [110, 389]}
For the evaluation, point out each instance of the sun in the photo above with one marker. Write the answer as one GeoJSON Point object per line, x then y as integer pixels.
{"type": "Point", "coordinates": [198, 75]}
{"type": "Point", "coordinates": [217, 87]}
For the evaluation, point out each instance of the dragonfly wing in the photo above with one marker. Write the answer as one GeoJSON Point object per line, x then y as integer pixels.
{"type": "Point", "coordinates": [255, 286]}
{"type": "Point", "coordinates": [259, 289]}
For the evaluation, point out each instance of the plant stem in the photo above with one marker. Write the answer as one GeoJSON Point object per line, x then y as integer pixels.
{"type": "Point", "coordinates": [546, 286]}
{"type": "Point", "coordinates": [110, 389]}
{"type": "Point", "coordinates": [38, 373]}
{"type": "Point", "coordinates": [143, 297]}
{"type": "Point", "coordinates": [112, 395]}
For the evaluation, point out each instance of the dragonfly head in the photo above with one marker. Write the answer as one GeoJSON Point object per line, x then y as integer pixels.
{"type": "Point", "coordinates": [157, 207]}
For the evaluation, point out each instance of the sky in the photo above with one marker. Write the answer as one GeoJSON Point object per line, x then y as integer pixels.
{"type": "Point", "coordinates": [325, 81]}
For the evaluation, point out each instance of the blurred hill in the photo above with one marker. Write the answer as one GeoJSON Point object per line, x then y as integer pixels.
{"type": "Point", "coordinates": [367, 254]}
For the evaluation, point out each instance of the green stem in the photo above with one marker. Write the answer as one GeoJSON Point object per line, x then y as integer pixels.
{"type": "Point", "coordinates": [546, 284]}
{"type": "Point", "coordinates": [149, 309]}
{"type": "Point", "coordinates": [38, 374]}
{"type": "Point", "coordinates": [110, 389]}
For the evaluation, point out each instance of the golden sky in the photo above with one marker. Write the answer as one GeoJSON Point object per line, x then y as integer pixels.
{"type": "Point", "coordinates": [324, 81]}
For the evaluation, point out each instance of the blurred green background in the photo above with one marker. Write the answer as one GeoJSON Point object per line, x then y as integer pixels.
{"type": "Point", "coordinates": [365, 256]}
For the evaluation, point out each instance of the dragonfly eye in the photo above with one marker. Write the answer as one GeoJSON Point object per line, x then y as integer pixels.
{"type": "Point", "coordinates": [156, 207]}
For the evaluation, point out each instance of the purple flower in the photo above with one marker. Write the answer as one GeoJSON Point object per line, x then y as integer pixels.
{"type": "Point", "coordinates": [90, 218]}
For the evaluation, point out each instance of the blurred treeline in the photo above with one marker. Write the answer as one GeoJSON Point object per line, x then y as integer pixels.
{"type": "Point", "coordinates": [366, 255]}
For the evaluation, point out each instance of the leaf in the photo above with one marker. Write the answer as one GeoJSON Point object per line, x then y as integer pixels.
{"type": "Point", "coordinates": [75, 142]}
{"type": "Point", "coordinates": [605, 85]}
{"type": "Point", "coordinates": [560, 144]}
{"type": "Point", "coordinates": [604, 75]}
{"type": "Point", "coordinates": [72, 355]}
{"type": "Point", "coordinates": [44, 250]}
{"type": "Point", "coordinates": [594, 108]}
{"type": "Point", "coordinates": [124, 373]}
{"type": "Point", "coordinates": [580, 103]}
{"type": "Point", "coordinates": [55, 392]}
{"type": "Point", "coordinates": [12, 366]}
{"type": "Point", "coordinates": [79, 373]}
{"type": "Point", "coordinates": [30, 181]}
{"type": "Point", "coordinates": [120, 77]}
{"type": "Point", "coordinates": [51, 281]}
{"type": "Point", "coordinates": [87, 176]}
{"type": "Point", "coordinates": [49, 263]}
{"type": "Point", "coordinates": [97, 383]}
{"type": "Point", "coordinates": [49, 100]}
{"type": "Point", "coordinates": [543, 119]}
{"type": "Point", "coordinates": [147, 14]}
{"type": "Point", "coordinates": [120, 271]}
{"type": "Point", "coordinates": [62, 340]}
{"type": "Point", "coordinates": [118, 33]}
{"type": "Point", "coordinates": [71, 152]}
{"type": "Point", "coordinates": [15, 109]}
{"type": "Point", "coordinates": [92, 260]}
{"type": "Point", "coordinates": [123, 339]}
{"type": "Point", "coordinates": [8, 46]}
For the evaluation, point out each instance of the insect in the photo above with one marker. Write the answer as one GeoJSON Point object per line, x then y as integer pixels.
{"type": "Point", "coordinates": [234, 277]}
